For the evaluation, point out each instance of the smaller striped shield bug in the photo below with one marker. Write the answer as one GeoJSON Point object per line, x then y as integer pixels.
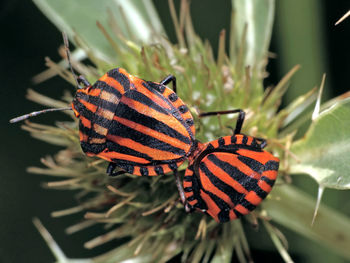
{"type": "Point", "coordinates": [231, 175]}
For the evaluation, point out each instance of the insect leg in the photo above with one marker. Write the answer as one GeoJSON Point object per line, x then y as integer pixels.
{"type": "Point", "coordinates": [66, 46]}
{"type": "Point", "coordinates": [83, 80]}
{"type": "Point", "coordinates": [181, 191]}
{"type": "Point", "coordinates": [110, 170]}
{"type": "Point", "coordinates": [240, 118]}
{"type": "Point", "coordinates": [168, 79]}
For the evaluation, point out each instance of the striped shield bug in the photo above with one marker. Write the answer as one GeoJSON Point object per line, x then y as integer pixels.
{"type": "Point", "coordinates": [141, 127]}
{"type": "Point", "coordinates": [230, 176]}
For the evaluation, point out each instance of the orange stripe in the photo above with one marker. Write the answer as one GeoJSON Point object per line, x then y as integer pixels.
{"type": "Point", "coordinates": [210, 187]}
{"type": "Point", "coordinates": [151, 171]}
{"type": "Point", "coordinates": [188, 172]}
{"type": "Point", "coordinates": [250, 140]}
{"type": "Point", "coordinates": [155, 134]}
{"type": "Point", "coordinates": [89, 106]}
{"type": "Point", "coordinates": [242, 209]}
{"type": "Point", "coordinates": [85, 122]}
{"type": "Point", "coordinates": [262, 157]}
{"type": "Point", "coordinates": [153, 153]}
{"type": "Point", "coordinates": [272, 175]}
{"type": "Point", "coordinates": [123, 71]}
{"type": "Point", "coordinates": [113, 83]}
{"type": "Point", "coordinates": [137, 171]}
{"type": "Point", "coordinates": [115, 155]}
{"type": "Point", "coordinates": [239, 139]}
{"type": "Point", "coordinates": [264, 186]}
{"type": "Point", "coordinates": [215, 144]}
{"type": "Point", "coordinates": [213, 209]}
{"type": "Point", "coordinates": [161, 102]}
{"type": "Point", "coordinates": [222, 175]}
{"type": "Point", "coordinates": [94, 92]}
{"type": "Point", "coordinates": [227, 140]}
{"type": "Point", "coordinates": [187, 184]}
{"type": "Point", "coordinates": [253, 198]}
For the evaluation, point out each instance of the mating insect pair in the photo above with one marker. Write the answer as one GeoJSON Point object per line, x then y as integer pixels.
{"type": "Point", "coordinates": [144, 128]}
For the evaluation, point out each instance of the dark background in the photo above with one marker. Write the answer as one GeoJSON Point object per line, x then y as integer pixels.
{"type": "Point", "coordinates": [26, 38]}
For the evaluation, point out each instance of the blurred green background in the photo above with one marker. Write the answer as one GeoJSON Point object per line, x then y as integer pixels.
{"type": "Point", "coordinates": [304, 33]}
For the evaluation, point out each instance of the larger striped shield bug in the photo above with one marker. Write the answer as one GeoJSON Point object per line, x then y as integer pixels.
{"type": "Point", "coordinates": [141, 127]}
{"type": "Point", "coordinates": [230, 176]}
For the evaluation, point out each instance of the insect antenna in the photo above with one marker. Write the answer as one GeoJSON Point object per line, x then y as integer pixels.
{"type": "Point", "coordinates": [35, 113]}
{"type": "Point", "coordinates": [66, 47]}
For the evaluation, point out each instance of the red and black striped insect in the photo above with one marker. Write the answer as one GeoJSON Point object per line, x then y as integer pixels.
{"type": "Point", "coordinates": [231, 175]}
{"type": "Point", "coordinates": [141, 127]}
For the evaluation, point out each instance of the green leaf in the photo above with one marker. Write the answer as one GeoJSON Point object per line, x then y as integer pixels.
{"type": "Point", "coordinates": [258, 15]}
{"type": "Point", "coordinates": [293, 209]}
{"type": "Point", "coordinates": [138, 20]}
{"type": "Point", "coordinates": [323, 152]}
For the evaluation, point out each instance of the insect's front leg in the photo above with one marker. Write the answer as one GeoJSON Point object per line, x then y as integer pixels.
{"type": "Point", "coordinates": [168, 79]}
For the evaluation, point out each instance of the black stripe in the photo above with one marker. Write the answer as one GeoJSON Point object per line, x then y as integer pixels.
{"type": "Point", "coordinates": [138, 96]}
{"type": "Point", "coordinates": [196, 187]}
{"type": "Point", "coordinates": [144, 171]}
{"type": "Point", "coordinates": [247, 204]}
{"type": "Point", "coordinates": [255, 144]}
{"type": "Point", "coordinates": [159, 170]}
{"type": "Point", "coordinates": [260, 192]}
{"type": "Point", "coordinates": [172, 166]}
{"type": "Point", "coordinates": [224, 208]}
{"type": "Point", "coordinates": [190, 198]}
{"type": "Point", "coordinates": [99, 84]}
{"type": "Point", "coordinates": [244, 139]}
{"type": "Point", "coordinates": [227, 189]}
{"type": "Point", "coordinates": [188, 189]}
{"type": "Point", "coordinates": [121, 130]}
{"type": "Point", "coordinates": [125, 112]}
{"type": "Point", "coordinates": [174, 112]}
{"type": "Point", "coordinates": [268, 180]}
{"type": "Point", "coordinates": [90, 132]}
{"type": "Point", "coordinates": [183, 109]}
{"type": "Point", "coordinates": [114, 147]}
{"type": "Point", "coordinates": [271, 166]}
{"type": "Point", "coordinates": [158, 87]}
{"type": "Point", "coordinates": [188, 178]}
{"type": "Point", "coordinates": [233, 139]}
{"type": "Point", "coordinates": [92, 148]}
{"type": "Point", "coordinates": [251, 163]}
{"type": "Point", "coordinates": [121, 78]}
{"type": "Point", "coordinates": [210, 147]}
{"type": "Point", "coordinates": [246, 181]}
{"type": "Point", "coordinates": [189, 122]}
{"type": "Point", "coordinates": [94, 118]}
{"type": "Point", "coordinates": [221, 141]}
{"type": "Point", "coordinates": [173, 97]}
{"type": "Point", "coordinates": [238, 214]}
